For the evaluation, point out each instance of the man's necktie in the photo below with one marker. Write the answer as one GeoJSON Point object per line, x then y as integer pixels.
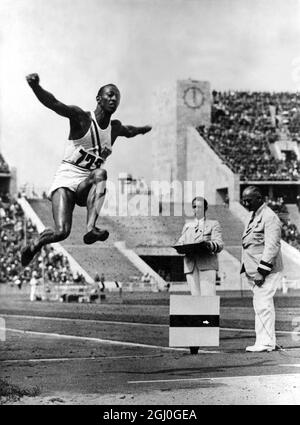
{"type": "Point", "coordinates": [251, 219]}
{"type": "Point", "coordinates": [198, 230]}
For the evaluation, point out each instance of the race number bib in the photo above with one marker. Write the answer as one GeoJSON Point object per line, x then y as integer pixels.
{"type": "Point", "coordinates": [85, 159]}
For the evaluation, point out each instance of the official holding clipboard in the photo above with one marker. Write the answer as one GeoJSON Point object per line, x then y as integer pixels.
{"type": "Point", "coordinates": [200, 241]}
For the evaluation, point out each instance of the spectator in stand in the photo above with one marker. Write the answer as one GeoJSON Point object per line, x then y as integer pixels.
{"type": "Point", "coordinates": [78, 278]}
{"type": "Point", "coordinates": [146, 278]}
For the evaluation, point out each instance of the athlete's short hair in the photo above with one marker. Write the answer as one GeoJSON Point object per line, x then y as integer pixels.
{"type": "Point", "coordinates": [200, 198]}
{"type": "Point", "coordinates": [100, 91]}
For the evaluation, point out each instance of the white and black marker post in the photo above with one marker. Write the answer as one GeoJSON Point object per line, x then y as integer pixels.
{"type": "Point", "coordinates": [194, 321]}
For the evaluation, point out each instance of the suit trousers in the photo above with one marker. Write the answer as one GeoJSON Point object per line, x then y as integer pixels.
{"type": "Point", "coordinates": [202, 282]}
{"type": "Point", "coordinates": [263, 305]}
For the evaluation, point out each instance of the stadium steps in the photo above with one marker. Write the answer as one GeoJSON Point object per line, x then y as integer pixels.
{"type": "Point", "coordinates": [109, 261]}
{"type": "Point", "coordinates": [164, 231]}
{"type": "Point", "coordinates": [146, 231]}
{"type": "Point", "coordinates": [137, 232]}
{"type": "Point", "coordinates": [294, 214]}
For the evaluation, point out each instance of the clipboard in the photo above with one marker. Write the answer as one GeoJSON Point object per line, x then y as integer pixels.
{"type": "Point", "coordinates": [192, 248]}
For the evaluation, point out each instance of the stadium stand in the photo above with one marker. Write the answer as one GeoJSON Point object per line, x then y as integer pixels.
{"type": "Point", "coordinates": [243, 127]}
{"type": "Point", "coordinates": [14, 230]}
{"type": "Point", "coordinates": [138, 232]}
{"type": "Point", "coordinates": [290, 233]}
{"type": "Point", "coordinates": [242, 124]}
{"type": "Point", "coordinates": [145, 235]}
{"type": "Point", "coordinates": [294, 214]}
{"type": "Point", "coordinates": [147, 231]}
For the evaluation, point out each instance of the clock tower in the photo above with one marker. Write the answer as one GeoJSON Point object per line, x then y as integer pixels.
{"type": "Point", "coordinates": [193, 97]}
{"type": "Point", "coordinates": [187, 103]}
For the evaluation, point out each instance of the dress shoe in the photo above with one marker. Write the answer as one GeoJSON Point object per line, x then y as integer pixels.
{"type": "Point", "coordinates": [260, 348]}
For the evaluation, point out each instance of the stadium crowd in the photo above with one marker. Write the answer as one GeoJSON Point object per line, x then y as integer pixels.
{"type": "Point", "coordinates": [277, 205]}
{"type": "Point", "coordinates": [243, 126]}
{"type": "Point", "coordinates": [53, 267]}
{"type": "Point", "coordinates": [290, 234]}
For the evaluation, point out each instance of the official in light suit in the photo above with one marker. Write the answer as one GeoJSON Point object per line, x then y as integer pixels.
{"type": "Point", "coordinates": [200, 268]}
{"type": "Point", "coordinates": [262, 263]}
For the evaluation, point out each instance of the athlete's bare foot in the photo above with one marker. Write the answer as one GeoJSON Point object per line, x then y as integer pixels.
{"type": "Point", "coordinates": [95, 235]}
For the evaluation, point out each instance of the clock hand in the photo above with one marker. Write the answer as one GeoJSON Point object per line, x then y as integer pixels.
{"type": "Point", "coordinates": [194, 95]}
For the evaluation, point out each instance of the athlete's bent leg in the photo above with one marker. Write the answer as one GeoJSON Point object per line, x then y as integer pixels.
{"type": "Point", "coordinates": [63, 202]}
{"type": "Point", "coordinates": [91, 193]}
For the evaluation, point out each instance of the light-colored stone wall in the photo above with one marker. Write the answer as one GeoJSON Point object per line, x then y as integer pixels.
{"type": "Point", "coordinates": [193, 109]}
{"type": "Point", "coordinates": [13, 187]}
{"type": "Point", "coordinates": [205, 165]}
{"type": "Point", "coordinates": [284, 145]}
{"type": "Point", "coordinates": [178, 151]}
{"type": "Point", "coordinates": [163, 134]}
{"type": "Point", "coordinates": [186, 103]}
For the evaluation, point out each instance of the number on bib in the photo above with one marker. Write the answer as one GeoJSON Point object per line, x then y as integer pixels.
{"type": "Point", "coordinates": [86, 160]}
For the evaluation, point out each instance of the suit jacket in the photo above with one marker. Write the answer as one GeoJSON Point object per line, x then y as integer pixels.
{"type": "Point", "coordinates": [194, 232]}
{"type": "Point", "coordinates": [261, 244]}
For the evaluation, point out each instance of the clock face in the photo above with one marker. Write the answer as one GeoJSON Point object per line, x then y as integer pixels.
{"type": "Point", "coordinates": [193, 97]}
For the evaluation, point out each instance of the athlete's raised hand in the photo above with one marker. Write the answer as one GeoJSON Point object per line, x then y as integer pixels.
{"type": "Point", "coordinates": [146, 129]}
{"type": "Point", "coordinates": [33, 79]}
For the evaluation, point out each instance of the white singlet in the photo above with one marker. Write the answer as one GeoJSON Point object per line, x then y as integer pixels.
{"type": "Point", "coordinates": [82, 156]}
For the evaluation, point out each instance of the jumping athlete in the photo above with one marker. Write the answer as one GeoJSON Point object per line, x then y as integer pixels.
{"type": "Point", "coordinates": [81, 179]}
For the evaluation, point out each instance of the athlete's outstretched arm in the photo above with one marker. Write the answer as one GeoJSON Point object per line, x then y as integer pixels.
{"type": "Point", "coordinates": [48, 100]}
{"type": "Point", "coordinates": [131, 131]}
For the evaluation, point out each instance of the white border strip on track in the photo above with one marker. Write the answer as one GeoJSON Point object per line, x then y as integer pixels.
{"type": "Point", "coordinates": [111, 322]}
{"type": "Point", "coordinates": [252, 330]}
{"type": "Point", "coordinates": [129, 323]}
{"type": "Point", "coordinates": [67, 359]}
{"type": "Point", "coordinates": [218, 378]}
{"type": "Point", "coordinates": [106, 341]}
{"type": "Point", "coordinates": [290, 365]}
